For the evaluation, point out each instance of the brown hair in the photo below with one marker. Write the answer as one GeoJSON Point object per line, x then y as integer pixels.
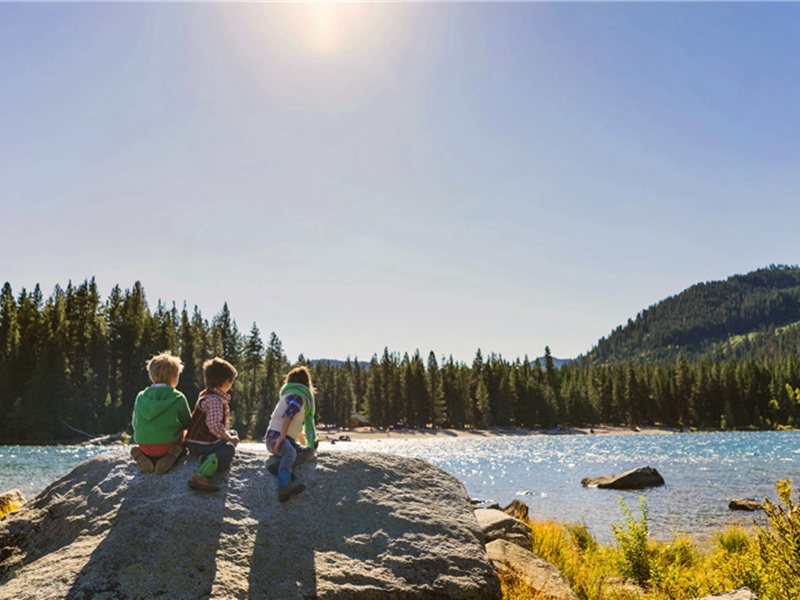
{"type": "Point", "coordinates": [164, 368]}
{"type": "Point", "coordinates": [217, 371]}
{"type": "Point", "coordinates": [300, 375]}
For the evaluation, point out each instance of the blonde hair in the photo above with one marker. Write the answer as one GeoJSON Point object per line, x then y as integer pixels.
{"type": "Point", "coordinates": [300, 375]}
{"type": "Point", "coordinates": [164, 368]}
{"type": "Point", "coordinates": [217, 371]}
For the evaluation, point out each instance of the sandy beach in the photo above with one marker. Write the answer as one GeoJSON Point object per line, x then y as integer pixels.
{"type": "Point", "coordinates": [371, 433]}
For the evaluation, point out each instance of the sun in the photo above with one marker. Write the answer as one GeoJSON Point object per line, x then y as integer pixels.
{"type": "Point", "coordinates": [326, 28]}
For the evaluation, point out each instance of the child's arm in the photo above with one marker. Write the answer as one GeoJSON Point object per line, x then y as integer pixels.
{"type": "Point", "coordinates": [285, 420]}
{"type": "Point", "coordinates": [294, 404]}
{"type": "Point", "coordinates": [184, 414]}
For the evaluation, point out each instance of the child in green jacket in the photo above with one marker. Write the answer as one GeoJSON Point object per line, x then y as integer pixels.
{"type": "Point", "coordinates": [160, 417]}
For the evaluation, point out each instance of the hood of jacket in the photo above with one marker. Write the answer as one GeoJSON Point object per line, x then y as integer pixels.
{"type": "Point", "coordinates": [155, 401]}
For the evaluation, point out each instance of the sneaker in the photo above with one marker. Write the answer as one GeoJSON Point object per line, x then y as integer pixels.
{"type": "Point", "coordinates": [165, 463]}
{"type": "Point", "coordinates": [142, 460]}
{"type": "Point", "coordinates": [290, 490]}
{"type": "Point", "coordinates": [201, 483]}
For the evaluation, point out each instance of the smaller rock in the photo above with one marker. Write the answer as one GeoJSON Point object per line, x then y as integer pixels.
{"type": "Point", "coordinates": [623, 587]}
{"type": "Point", "coordinates": [542, 576]}
{"type": "Point", "coordinates": [11, 501]}
{"type": "Point", "coordinates": [630, 480]}
{"type": "Point", "coordinates": [497, 525]}
{"type": "Point", "coordinates": [745, 504]}
{"type": "Point", "coordinates": [517, 509]}
{"type": "Point", "coordinates": [743, 593]}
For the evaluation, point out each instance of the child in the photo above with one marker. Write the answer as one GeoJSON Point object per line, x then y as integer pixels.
{"type": "Point", "coordinates": [160, 417]}
{"type": "Point", "coordinates": [209, 436]}
{"type": "Point", "coordinates": [293, 412]}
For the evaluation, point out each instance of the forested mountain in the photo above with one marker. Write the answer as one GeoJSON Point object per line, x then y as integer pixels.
{"type": "Point", "coordinates": [756, 315]}
{"type": "Point", "coordinates": [76, 361]}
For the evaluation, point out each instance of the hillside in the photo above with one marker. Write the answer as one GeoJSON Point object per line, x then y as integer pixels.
{"type": "Point", "coordinates": [745, 316]}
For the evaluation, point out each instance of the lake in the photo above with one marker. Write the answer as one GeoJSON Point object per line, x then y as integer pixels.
{"type": "Point", "coordinates": [703, 472]}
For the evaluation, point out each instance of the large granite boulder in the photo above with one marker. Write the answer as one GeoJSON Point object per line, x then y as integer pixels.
{"type": "Point", "coordinates": [541, 576]}
{"type": "Point", "coordinates": [368, 526]}
{"type": "Point", "coordinates": [497, 525]}
{"type": "Point", "coordinates": [630, 480]}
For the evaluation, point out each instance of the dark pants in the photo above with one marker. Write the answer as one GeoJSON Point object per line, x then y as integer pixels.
{"type": "Point", "coordinates": [223, 449]}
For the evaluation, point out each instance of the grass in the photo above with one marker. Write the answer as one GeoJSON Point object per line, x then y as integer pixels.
{"type": "Point", "coordinates": [766, 558]}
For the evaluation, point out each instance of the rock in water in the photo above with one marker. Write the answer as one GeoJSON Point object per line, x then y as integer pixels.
{"type": "Point", "coordinates": [368, 526]}
{"type": "Point", "coordinates": [746, 504]}
{"type": "Point", "coordinates": [634, 479]}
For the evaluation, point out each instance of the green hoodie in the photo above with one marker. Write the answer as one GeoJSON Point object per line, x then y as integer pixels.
{"type": "Point", "coordinates": [160, 415]}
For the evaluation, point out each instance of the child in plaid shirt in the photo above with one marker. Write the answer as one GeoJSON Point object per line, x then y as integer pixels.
{"type": "Point", "coordinates": [209, 436]}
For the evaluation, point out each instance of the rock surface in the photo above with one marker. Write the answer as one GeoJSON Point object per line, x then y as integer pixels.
{"type": "Point", "coordinates": [745, 504]}
{"type": "Point", "coordinates": [539, 574]}
{"type": "Point", "coordinates": [517, 509]}
{"type": "Point", "coordinates": [368, 526]}
{"type": "Point", "coordinates": [497, 525]}
{"type": "Point", "coordinates": [630, 480]}
{"type": "Point", "coordinates": [742, 593]}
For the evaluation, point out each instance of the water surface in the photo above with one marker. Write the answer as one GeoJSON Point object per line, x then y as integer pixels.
{"type": "Point", "coordinates": [703, 472]}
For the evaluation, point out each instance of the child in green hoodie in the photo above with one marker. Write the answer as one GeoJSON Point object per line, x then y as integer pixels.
{"type": "Point", "coordinates": [160, 417]}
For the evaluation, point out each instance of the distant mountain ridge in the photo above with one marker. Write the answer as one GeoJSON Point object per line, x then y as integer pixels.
{"type": "Point", "coordinates": [745, 316]}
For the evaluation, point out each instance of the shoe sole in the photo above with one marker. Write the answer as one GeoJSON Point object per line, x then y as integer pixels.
{"type": "Point", "coordinates": [203, 488]}
{"type": "Point", "coordinates": [142, 461]}
{"type": "Point", "coordinates": [165, 463]}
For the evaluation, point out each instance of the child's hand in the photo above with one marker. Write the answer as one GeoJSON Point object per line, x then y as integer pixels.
{"type": "Point", "coordinates": [234, 439]}
{"type": "Point", "coordinates": [276, 447]}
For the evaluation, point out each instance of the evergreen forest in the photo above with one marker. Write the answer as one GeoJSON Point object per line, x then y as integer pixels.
{"type": "Point", "coordinates": [74, 360]}
{"type": "Point", "coordinates": [745, 316]}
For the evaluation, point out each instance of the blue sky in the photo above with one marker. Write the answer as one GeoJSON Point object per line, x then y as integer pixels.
{"type": "Point", "coordinates": [440, 177]}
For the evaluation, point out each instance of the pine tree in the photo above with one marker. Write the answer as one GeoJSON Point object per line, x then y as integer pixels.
{"type": "Point", "coordinates": [435, 392]}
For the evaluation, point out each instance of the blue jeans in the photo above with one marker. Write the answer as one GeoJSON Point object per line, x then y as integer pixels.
{"type": "Point", "coordinates": [291, 454]}
{"type": "Point", "coordinates": [223, 449]}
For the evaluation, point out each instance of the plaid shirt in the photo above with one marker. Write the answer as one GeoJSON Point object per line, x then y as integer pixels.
{"type": "Point", "coordinates": [217, 412]}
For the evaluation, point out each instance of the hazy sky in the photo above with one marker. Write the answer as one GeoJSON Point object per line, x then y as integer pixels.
{"type": "Point", "coordinates": [444, 177]}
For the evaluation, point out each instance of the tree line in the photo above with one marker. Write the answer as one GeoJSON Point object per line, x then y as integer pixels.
{"type": "Point", "coordinates": [75, 361]}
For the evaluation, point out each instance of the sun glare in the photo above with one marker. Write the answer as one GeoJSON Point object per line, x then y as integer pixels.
{"type": "Point", "coordinates": [326, 28]}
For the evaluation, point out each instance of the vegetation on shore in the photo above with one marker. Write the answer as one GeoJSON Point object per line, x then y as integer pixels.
{"type": "Point", "coordinates": [765, 558]}
{"type": "Point", "coordinates": [73, 360]}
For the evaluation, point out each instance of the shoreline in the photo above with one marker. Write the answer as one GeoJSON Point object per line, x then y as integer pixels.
{"type": "Point", "coordinates": [328, 434]}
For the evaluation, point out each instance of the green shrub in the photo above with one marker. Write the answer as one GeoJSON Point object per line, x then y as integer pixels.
{"type": "Point", "coordinates": [734, 540]}
{"type": "Point", "coordinates": [632, 536]}
{"type": "Point", "coordinates": [779, 545]}
{"type": "Point", "coordinates": [581, 536]}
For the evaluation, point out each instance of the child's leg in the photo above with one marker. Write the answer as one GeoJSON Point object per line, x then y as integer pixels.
{"type": "Point", "coordinates": [288, 456]}
{"type": "Point", "coordinates": [304, 454]}
{"type": "Point", "coordinates": [224, 452]}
